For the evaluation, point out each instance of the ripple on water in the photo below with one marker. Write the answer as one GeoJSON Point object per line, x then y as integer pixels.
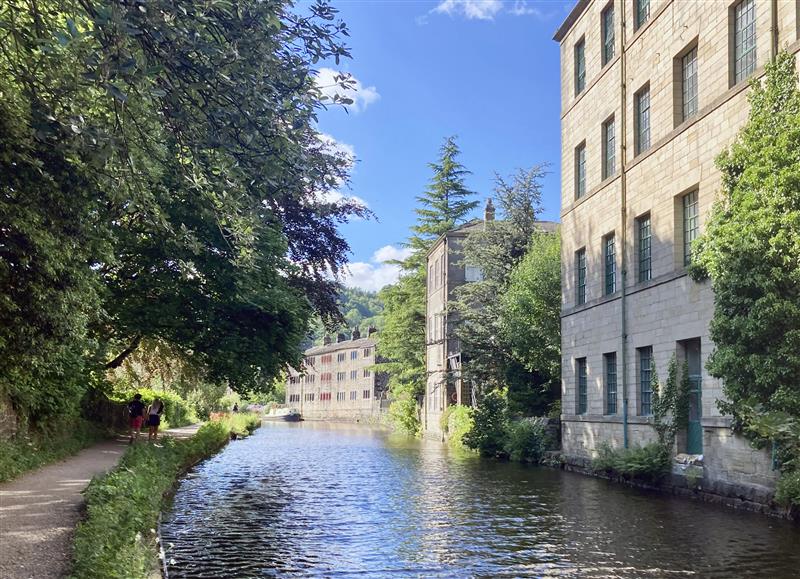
{"type": "Point", "coordinates": [298, 500]}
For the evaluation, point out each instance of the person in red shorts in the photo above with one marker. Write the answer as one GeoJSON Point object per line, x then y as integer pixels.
{"type": "Point", "coordinates": [136, 413]}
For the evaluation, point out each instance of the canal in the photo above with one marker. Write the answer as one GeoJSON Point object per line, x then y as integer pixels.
{"type": "Point", "coordinates": [328, 500]}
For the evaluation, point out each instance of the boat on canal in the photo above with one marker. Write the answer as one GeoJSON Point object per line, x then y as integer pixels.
{"type": "Point", "coordinates": [283, 415]}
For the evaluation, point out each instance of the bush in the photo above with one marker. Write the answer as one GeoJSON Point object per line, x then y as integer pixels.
{"type": "Point", "coordinates": [787, 492]}
{"type": "Point", "coordinates": [648, 463]}
{"type": "Point", "coordinates": [456, 422]}
{"type": "Point", "coordinates": [403, 414]}
{"type": "Point", "coordinates": [177, 411]}
{"type": "Point", "coordinates": [241, 424]}
{"type": "Point", "coordinates": [526, 440]}
{"type": "Point", "coordinates": [488, 434]}
{"type": "Point", "coordinates": [116, 539]}
{"type": "Point", "coordinates": [51, 442]}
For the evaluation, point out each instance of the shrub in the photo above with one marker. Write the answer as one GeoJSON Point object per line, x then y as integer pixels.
{"type": "Point", "coordinates": [116, 539]}
{"type": "Point", "coordinates": [526, 439]}
{"type": "Point", "coordinates": [488, 434]}
{"type": "Point", "coordinates": [241, 424]}
{"type": "Point", "coordinates": [177, 411]}
{"type": "Point", "coordinates": [456, 423]}
{"type": "Point", "coordinates": [52, 441]}
{"type": "Point", "coordinates": [403, 414]}
{"type": "Point", "coordinates": [648, 463]}
{"type": "Point", "coordinates": [787, 492]}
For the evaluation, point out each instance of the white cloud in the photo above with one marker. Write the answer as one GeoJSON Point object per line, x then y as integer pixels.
{"type": "Point", "coordinates": [377, 273]}
{"type": "Point", "coordinates": [331, 145]}
{"type": "Point", "coordinates": [362, 96]}
{"type": "Point", "coordinates": [334, 196]}
{"type": "Point", "coordinates": [337, 147]}
{"type": "Point", "coordinates": [522, 8]}
{"type": "Point", "coordinates": [470, 9]}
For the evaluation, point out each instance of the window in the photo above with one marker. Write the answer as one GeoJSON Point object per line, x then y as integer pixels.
{"type": "Point", "coordinates": [691, 225]}
{"type": "Point", "coordinates": [354, 355]}
{"type": "Point", "coordinates": [580, 66]}
{"type": "Point", "coordinates": [325, 377]}
{"type": "Point", "coordinates": [610, 264]}
{"type": "Point", "coordinates": [341, 396]}
{"type": "Point", "coordinates": [311, 379]}
{"type": "Point", "coordinates": [580, 170]}
{"type": "Point", "coordinates": [609, 149]}
{"type": "Point", "coordinates": [642, 119]}
{"type": "Point", "coordinates": [643, 242]}
{"type": "Point", "coordinates": [473, 273]}
{"type": "Point", "coordinates": [294, 398]}
{"type": "Point", "coordinates": [645, 377]}
{"type": "Point", "coordinates": [581, 378]}
{"type": "Point", "coordinates": [607, 32]}
{"type": "Point", "coordinates": [641, 13]}
{"type": "Point", "coordinates": [310, 397]}
{"type": "Point", "coordinates": [580, 276]}
{"type": "Point", "coordinates": [324, 396]}
{"type": "Point", "coordinates": [430, 278]}
{"type": "Point", "coordinates": [365, 394]}
{"type": "Point", "coordinates": [744, 40]}
{"type": "Point", "coordinates": [367, 373]}
{"type": "Point", "coordinates": [611, 382]}
{"type": "Point", "coordinates": [353, 374]}
{"type": "Point", "coordinates": [353, 395]}
{"type": "Point", "coordinates": [367, 352]}
{"type": "Point", "coordinates": [309, 361]}
{"type": "Point", "coordinates": [327, 359]}
{"type": "Point", "coordinates": [437, 274]}
{"type": "Point", "coordinates": [340, 376]}
{"type": "Point", "coordinates": [689, 83]}
{"type": "Point", "coordinates": [340, 357]}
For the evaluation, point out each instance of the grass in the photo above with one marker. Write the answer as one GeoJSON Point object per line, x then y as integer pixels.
{"type": "Point", "coordinates": [31, 450]}
{"type": "Point", "coordinates": [117, 538]}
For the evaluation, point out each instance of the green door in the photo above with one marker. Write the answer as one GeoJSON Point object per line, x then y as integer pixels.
{"type": "Point", "coordinates": [694, 431]}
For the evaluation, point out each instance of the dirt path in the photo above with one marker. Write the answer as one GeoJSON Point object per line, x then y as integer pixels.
{"type": "Point", "coordinates": [39, 510]}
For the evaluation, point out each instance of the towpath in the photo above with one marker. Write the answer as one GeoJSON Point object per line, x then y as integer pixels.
{"type": "Point", "coordinates": [40, 509]}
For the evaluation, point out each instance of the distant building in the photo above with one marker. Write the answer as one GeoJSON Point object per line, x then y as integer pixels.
{"type": "Point", "coordinates": [337, 381]}
{"type": "Point", "coordinates": [651, 92]}
{"type": "Point", "coordinates": [443, 358]}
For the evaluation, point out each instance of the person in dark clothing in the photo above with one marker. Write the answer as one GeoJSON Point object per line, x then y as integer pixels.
{"type": "Point", "coordinates": [154, 418]}
{"type": "Point", "coordinates": [235, 407]}
{"type": "Point", "coordinates": [136, 414]}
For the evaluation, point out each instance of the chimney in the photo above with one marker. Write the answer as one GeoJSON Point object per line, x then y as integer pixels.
{"type": "Point", "coordinates": [371, 330]}
{"type": "Point", "coordinates": [326, 341]}
{"type": "Point", "coordinates": [488, 212]}
{"type": "Point", "coordinates": [356, 333]}
{"type": "Point", "coordinates": [340, 338]}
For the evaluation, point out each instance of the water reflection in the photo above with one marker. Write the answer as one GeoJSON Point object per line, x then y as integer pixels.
{"type": "Point", "coordinates": [343, 500]}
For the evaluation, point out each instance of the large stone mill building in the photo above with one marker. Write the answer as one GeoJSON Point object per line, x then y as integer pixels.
{"type": "Point", "coordinates": [338, 381]}
{"type": "Point", "coordinates": [651, 92]}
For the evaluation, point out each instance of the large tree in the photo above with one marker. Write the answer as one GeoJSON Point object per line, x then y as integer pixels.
{"type": "Point", "coordinates": [445, 204]}
{"type": "Point", "coordinates": [162, 178]}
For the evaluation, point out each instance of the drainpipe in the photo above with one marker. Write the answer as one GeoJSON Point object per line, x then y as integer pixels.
{"type": "Point", "coordinates": [774, 28]}
{"type": "Point", "coordinates": [624, 232]}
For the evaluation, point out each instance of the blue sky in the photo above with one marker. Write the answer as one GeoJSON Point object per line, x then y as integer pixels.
{"type": "Point", "coordinates": [484, 70]}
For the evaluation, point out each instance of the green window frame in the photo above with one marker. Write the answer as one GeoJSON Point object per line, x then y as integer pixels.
{"type": "Point", "coordinates": [580, 367]}
{"type": "Point", "coordinates": [610, 360]}
{"type": "Point", "coordinates": [642, 13]}
{"type": "Point", "coordinates": [607, 19]}
{"type": "Point", "coordinates": [580, 170]}
{"type": "Point", "coordinates": [580, 276]}
{"type": "Point", "coordinates": [642, 119]}
{"type": "Point", "coordinates": [691, 224]}
{"type": "Point", "coordinates": [744, 39]}
{"type": "Point", "coordinates": [645, 380]}
{"type": "Point", "coordinates": [644, 246]}
{"type": "Point", "coordinates": [609, 149]}
{"type": "Point", "coordinates": [610, 264]}
{"type": "Point", "coordinates": [689, 83]}
{"type": "Point", "coordinates": [580, 66]}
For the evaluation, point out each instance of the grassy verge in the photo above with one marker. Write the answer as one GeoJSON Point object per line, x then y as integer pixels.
{"type": "Point", "coordinates": [31, 450]}
{"type": "Point", "coordinates": [117, 538]}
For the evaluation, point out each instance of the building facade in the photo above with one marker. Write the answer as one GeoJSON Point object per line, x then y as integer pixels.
{"type": "Point", "coordinates": [446, 272]}
{"type": "Point", "coordinates": [652, 91]}
{"type": "Point", "coordinates": [338, 382]}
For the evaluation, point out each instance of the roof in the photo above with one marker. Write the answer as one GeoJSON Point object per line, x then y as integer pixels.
{"type": "Point", "coordinates": [572, 17]}
{"type": "Point", "coordinates": [344, 345]}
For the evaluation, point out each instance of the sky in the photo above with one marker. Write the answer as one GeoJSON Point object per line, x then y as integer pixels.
{"type": "Point", "coordinates": [486, 71]}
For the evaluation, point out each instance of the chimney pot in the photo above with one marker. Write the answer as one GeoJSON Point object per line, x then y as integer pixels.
{"type": "Point", "coordinates": [488, 212]}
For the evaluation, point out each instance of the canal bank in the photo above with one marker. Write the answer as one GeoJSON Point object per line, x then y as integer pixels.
{"type": "Point", "coordinates": [347, 500]}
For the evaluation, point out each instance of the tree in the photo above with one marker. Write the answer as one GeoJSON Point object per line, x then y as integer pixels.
{"type": "Point", "coordinates": [531, 322]}
{"type": "Point", "coordinates": [495, 249]}
{"type": "Point", "coordinates": [751, 252]}
{"type": "Point", "coordinates": [443, 206]}
{"type": "Point", "coordinates": [163, 179]}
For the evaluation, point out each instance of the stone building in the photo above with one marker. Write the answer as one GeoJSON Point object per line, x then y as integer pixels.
{"type": "Point", "coordinates": [446, 272]}
{"type": "Point", "coordinates": [651, 92]}
{"type": "Point", "coordinates": [337, 381]}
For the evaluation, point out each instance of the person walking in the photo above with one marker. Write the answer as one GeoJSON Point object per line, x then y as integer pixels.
{"type": "Point", "coordinates": [154, 418]}
{"type": "Point", "coordinates": [136, 415]}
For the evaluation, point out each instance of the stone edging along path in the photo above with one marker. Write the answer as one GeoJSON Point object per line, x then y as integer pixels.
{"type": "Point", "coordinates": [40, 509]}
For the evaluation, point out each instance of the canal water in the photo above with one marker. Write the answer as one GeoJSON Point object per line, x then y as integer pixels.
{"type": "Point", "coordinates": [328, 500]}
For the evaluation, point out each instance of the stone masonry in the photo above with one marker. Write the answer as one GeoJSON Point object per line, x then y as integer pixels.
{"type": "Point", "coordinates": [666, 311]}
